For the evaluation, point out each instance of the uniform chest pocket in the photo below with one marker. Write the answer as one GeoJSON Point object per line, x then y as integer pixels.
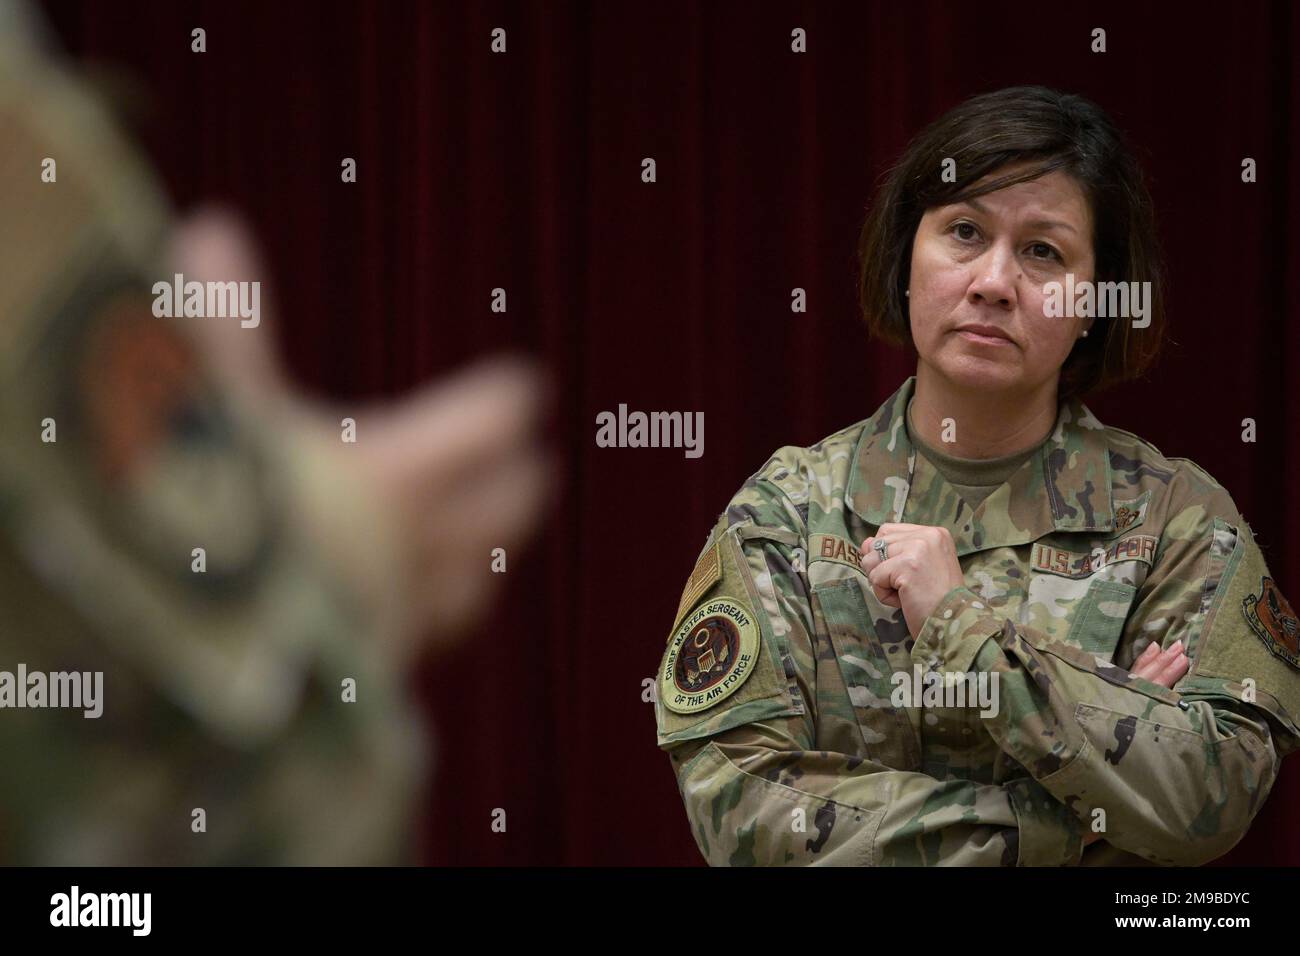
{"type": "Point", "coordinates": [1100, 615]}
{"type": "Point", "coordinates": [871, 644]}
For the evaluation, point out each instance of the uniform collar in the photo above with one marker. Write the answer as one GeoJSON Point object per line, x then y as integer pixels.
{"type": "Point", "coordinates": [1064, 486]}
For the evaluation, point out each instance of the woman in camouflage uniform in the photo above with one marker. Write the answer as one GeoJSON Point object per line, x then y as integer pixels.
{"type": "Point", "coordinates": [1130, 669]}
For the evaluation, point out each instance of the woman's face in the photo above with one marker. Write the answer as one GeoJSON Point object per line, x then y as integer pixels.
{"type": "Point", "coordinates": [984, 262]}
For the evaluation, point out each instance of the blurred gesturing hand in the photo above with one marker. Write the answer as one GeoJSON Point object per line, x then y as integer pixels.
{"type": "Point", "coordinates": [448, 474]}
{"type": "Point", "coordinates": [462, 465]}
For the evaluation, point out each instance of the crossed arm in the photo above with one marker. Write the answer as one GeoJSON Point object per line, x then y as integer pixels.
{"type": "Point", "coordinates": [1180, 775]}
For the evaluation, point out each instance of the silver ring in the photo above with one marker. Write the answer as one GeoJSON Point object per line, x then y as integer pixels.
{"type": "Point", "coordinates": [881, 549]}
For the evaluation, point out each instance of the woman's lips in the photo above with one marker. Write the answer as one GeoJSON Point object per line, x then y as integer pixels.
{"type": "Point", "coordinates": [983, 339]}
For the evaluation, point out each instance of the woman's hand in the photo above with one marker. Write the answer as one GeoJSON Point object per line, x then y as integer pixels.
{"type": "Point", "coordinates": [1165, 667]}
{"type": "Point", "coordinates": [922, 568]}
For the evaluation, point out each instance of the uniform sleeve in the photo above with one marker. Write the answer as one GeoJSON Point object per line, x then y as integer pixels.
{"type": "Point", "coordinates": [1178, 773]}
{"type": "Point", "coordinates": [757, 789]}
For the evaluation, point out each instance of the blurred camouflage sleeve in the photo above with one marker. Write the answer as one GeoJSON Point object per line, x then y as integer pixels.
{"type": "Point", "coordinates": [758, 788]}
{"type": "Point", "coordinates": [1179, 773]}
{"type": "Point", "coordinates": [125, 471]}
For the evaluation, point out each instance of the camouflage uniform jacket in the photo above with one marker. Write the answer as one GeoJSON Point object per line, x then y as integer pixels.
{"type": "Point", "coordinates": [776, 692]}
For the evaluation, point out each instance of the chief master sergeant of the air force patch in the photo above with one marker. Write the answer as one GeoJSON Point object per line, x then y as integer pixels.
{"type": "Point", "coordinates": [710, 655]}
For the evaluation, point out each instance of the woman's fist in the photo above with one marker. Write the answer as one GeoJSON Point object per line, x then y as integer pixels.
{"type": "Point", "coordinates": [920, 569]}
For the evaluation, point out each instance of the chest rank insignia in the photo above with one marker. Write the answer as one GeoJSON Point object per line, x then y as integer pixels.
{"type": "Point", "coordinates": [1270, 616]}
{"type": "Point", "coordinates": [1124, 516]}
{"type": "Point", "coordinates": [712, 653]}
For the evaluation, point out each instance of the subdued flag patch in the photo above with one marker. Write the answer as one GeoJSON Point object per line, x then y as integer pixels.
{"type": "Point", "coordinates": [707, 572]}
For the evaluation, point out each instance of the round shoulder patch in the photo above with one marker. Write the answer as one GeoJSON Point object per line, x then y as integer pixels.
{"type": "Point", "coordinates": [712, 653]}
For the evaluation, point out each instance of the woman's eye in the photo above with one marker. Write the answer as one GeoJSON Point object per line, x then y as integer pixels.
{"type": "Point", "coordinates": [965, 231]}
{"type": "Point", "coordinates": [1041, 250]}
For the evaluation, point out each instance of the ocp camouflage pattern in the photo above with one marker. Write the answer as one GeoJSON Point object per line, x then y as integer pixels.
{"type": "Point", "coordinates": [1096, 547]}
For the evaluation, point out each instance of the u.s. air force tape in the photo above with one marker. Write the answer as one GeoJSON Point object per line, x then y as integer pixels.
{"type": "Point", "coordinates": [713, 652]}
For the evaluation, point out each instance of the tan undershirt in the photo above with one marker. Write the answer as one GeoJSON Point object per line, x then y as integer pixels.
{"type": "Point", "coordinates": [973, 478]}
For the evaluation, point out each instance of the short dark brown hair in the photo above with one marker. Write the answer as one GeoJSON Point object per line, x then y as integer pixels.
{"type": "Point", "coordinates": [1048, 130]}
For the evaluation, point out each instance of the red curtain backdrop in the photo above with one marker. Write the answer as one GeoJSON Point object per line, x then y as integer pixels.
{"type": "Point", "coordinates": [522, 171]}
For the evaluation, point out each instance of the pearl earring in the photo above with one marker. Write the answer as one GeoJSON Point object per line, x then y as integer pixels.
{"type": "Point", "coordinates": [907, 292]}
{"type": "Point", "coordinates": [1084, 335]}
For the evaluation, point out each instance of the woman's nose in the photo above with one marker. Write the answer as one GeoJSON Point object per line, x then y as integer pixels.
{"type": "Point", "coordinates": [995, 280]}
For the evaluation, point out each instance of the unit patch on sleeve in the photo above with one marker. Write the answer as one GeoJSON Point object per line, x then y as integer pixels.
{"type": "Point", "coordinates": [711, 654]}
{"type": "Point", "coordinates": [1270, 616]}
